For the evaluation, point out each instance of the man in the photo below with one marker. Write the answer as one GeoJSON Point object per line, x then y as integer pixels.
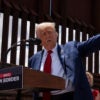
{"type": "Point", "coordinates": [66, 62]}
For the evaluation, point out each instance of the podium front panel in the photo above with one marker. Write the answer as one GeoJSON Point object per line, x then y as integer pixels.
{"type": "Point", "coordinates": [11, 78]}
{"type": "Point", "coordinates": [14, 78]}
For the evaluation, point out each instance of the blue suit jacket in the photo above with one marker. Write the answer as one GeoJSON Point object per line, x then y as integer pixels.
{"type": "Point", "coordinates": [70, 56]}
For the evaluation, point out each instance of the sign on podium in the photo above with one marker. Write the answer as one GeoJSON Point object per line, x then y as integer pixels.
{"type": "Point", "coordinates": [19, 77]}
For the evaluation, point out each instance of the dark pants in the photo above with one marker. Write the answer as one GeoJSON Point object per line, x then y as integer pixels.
{"type": "Point", "coordinates": [65, 96]}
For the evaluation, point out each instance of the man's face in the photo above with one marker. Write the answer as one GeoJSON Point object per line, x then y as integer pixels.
{"type": "Point", "coordinates": [48, 37]}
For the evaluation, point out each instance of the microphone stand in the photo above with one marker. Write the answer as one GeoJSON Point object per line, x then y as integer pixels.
{"type": "Point", "coordinates": [18, 96]}
{"type": "Point", "coordinates": [32, 41]}
{"type": "Point", "coordinates": [15, 45]}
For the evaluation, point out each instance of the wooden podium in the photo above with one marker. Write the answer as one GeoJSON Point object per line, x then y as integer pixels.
{"type": "Point", "coordinates": [14, 78]}
{"type": "Point", "coordinates": [41, 81]}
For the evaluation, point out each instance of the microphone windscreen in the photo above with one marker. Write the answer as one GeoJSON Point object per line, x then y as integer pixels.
{"type": "Point", "coordinates": [35, 41]}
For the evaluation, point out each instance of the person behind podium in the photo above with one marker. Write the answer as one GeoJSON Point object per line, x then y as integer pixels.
{"type": "Point", "coordinates": [66, 62]}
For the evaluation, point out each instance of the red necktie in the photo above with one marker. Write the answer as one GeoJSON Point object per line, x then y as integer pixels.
{"type": "Point", "coordinates": [47, 69]}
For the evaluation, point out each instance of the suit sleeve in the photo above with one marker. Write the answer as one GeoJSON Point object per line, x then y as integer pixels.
{"type": "Point", "coordinates": [91, 45]}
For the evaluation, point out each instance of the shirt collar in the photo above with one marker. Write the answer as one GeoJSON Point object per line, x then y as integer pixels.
{"type": "Point", "coordinates": [54, 49]}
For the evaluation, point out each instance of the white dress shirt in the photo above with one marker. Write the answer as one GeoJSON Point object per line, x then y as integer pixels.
{"type": "Point", "coordinates": [57, 70]}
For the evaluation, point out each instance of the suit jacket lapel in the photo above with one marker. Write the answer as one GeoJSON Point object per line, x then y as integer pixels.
{"type": "Point", "coordinates": [38, 60]}
{"type": "Point", "coordinates": [61, 56]}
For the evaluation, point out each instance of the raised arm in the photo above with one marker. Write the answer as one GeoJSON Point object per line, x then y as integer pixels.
{"type": "Point", "coordinates": [91, 45]}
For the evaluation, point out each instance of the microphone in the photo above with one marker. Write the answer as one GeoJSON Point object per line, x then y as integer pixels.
{"type": "Point", "coordinates": [33, 40]}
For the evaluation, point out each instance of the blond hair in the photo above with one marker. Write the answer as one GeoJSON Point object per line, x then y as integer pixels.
{"type": "Point", "coordinates": [44, 25]}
